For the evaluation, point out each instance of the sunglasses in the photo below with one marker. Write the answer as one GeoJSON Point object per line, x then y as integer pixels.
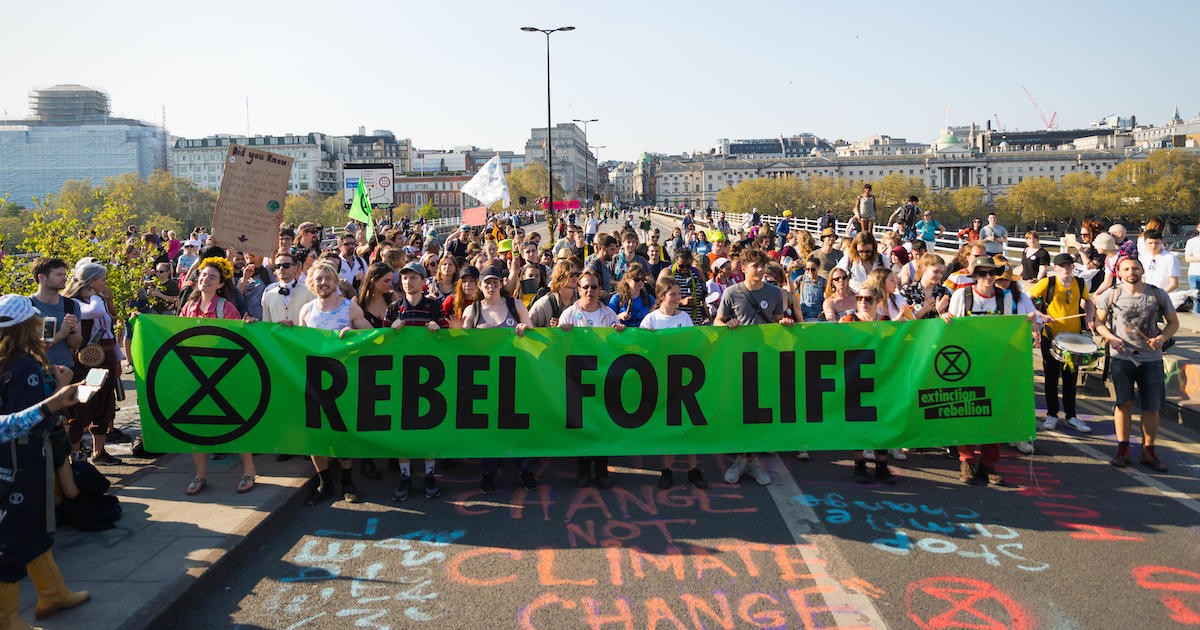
{"type": "Point", "coordinates": [284, 265]}
{"type": "Point", "coordinates": [311, 231]}
{"type": "Point", "coordinates": [865, 298]}
{"type": "Point", "coordinates": [990, 273]}
{"type": "Point", "coordinates": [839, 278]}
{"type": "Point", "coordinates": [637, 279]}
{"type": "Point", "coordinates": [810, 268]}
{"type": "Point", "coordinates": [576, 274]}
{"type": "Point", "coordinates": [869, 250]}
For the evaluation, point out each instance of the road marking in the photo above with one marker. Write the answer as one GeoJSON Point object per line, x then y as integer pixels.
{"type": "Point", "coordinates": [1182, 498]}
{"type": "Point", "coordinates": [849, 609]}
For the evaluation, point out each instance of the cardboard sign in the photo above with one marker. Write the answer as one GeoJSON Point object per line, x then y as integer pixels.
{"type": "Point", "coordinates": [250, 205]}
{"type": "Point", "coordinates": [475, 216]}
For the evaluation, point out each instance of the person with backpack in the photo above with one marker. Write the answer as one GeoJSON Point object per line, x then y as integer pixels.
{"type": "Point", "coordinates": [494, 307]}
{"type": "Point", "coordinates": [904, 218]}
{"type": "Point", "coordinates": [1128, 317]}
{"type": "Point", "coordinates": [1062, 298]}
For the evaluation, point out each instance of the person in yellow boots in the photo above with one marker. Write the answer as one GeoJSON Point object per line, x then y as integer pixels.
{"type": "Point", "coordinates": [32, 393]}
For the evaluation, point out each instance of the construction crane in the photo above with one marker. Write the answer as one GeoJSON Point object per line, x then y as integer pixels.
{"type": "Point", "coordinates": [1050, 122]}
{"type": "Point", "coordinates": [999, 125]}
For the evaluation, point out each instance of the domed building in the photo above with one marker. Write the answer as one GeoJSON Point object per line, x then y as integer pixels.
{"type": "Point", "coordinates": [947, 142]}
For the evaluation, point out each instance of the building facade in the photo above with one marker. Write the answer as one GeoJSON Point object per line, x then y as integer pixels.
{"type": "Point", "coordinates": [574, 164]}
{"type": "Point", "coordinates": [317, 156]}
{"type": "Point", "coordinates": [73, 135]}
{"type": "Point", "coordinates": [443, 190]}
{"type": "Point", "coordinates": [380, 146]}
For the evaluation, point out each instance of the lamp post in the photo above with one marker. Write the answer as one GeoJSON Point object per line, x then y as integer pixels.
{"type": "Point", "coordinates": [549, 135]}
{"type": "Point", "coordinates": [597, 156]}
{"type": "Point", "coordinates": [586, 193]}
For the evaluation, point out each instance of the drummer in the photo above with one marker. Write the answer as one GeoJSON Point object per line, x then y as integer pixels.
{"type": "Point", "coordinates": [1063, 299]}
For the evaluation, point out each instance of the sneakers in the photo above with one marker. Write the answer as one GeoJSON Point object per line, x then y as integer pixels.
{"type": "Point", "coordinates": [527, 480]}
{"type": "Point", "coordinates": [1150, 460]}
{"type": "Point", "coordinates": [403, 490]}
{"type": "Point", "coordinates": [1079, 425]}
{"type": "Point", "coordinates": [1024, 447]}
{"type": "Point", "coordinates": [431, 488]}
{"type": "Point", "coordinates": [966, 473]}
{"type": "Point", "coordinates": [349, 490]}
{"type": "Point", "coordinates": [898, 454]}
{"type": "Point", "coordinates": [883, 474]}
{"type": "Point", "coordinates": [697, 479]}
{"type": "Point", "coordinates": [487, 485]}
{"type": "Point", "coordinates": [803, 456]}
{"type": "Point", "coordinates": [324, 488]}
{"type": "Point", "coordinates": [735, 470]}
{"type": "Point", "coordinates": [860, 471]}
{"type": "Point", "coordinates": [117, 436]}
{"type": "Point", "coordinates": [667, 479]}
{"type": "Point", "coordinates": [1051, 423]}
{"type": "Point", "coordinates": [103, 457]}
{"type": "Point", "coordinates": [759, 470]}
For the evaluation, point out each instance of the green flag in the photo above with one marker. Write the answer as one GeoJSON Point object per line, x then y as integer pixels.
{"type": "Point", "coordinates": [360, 209]}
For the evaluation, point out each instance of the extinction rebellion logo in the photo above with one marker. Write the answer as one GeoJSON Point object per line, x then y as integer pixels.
{"type": "Point", "coordinates": [207, 386]}
{"type": "Point", "coordinates": [953, 364]}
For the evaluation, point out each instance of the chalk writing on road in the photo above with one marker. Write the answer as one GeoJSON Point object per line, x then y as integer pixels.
{"type": "Point", "coordinates": [1179, 591]}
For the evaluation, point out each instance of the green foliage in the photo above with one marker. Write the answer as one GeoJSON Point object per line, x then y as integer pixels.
{"type": "Point", "coordinates": [530, 182]}
{"type": "Point", "coordinates": [427, 211]}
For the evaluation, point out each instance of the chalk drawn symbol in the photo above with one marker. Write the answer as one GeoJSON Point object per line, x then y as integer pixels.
{"type": "Point", "coordinates": [201, 343]}
{"type": "Point", "coordinates": [952, 363]}
{"type": "Point", "coordinates": [972, 604]}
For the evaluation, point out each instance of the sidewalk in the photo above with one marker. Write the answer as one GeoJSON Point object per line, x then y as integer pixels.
{"type": "Point", "coordinates": [143, 572]}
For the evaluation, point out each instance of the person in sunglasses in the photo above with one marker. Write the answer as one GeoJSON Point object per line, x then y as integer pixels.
{"type": "Point", "coordinates": [282, 301]}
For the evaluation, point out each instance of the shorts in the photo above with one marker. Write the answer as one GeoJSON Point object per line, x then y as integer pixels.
{"type": "Point", "coordinates": [1151, 384]}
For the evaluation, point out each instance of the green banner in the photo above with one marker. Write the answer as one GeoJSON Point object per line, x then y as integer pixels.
{"type": "Point", "coordinates": [218, 385]}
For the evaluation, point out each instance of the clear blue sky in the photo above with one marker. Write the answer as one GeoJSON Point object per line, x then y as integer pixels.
{"type": "Point", "coordinates": [661, 76]}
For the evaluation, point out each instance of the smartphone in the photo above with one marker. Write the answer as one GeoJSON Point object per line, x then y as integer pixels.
{"type": "Point", "coordinates": [529, 285]}
{"type": "Point", "coordinates": [91, 383]}
{"type": "Point", "coordinates": [49, 328]}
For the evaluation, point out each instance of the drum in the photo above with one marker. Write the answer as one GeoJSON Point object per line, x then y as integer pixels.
{"type": "Point", "coordinates": [1075, 351]}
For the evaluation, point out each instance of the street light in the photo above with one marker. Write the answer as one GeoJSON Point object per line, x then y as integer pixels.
{"type": "Point", "coordinates": [597, 156]}
{"type": "Point", "coordinates": [549, 150]}
{"type": "Point", "coordinates": [586, 192]}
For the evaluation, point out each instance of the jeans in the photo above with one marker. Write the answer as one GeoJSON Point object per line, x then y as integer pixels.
{"type": "Point", "coordinates": [1194, 281]}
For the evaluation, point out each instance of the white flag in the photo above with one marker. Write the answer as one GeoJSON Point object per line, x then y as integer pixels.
{"type": "Point", "coordinates": [489, 184]}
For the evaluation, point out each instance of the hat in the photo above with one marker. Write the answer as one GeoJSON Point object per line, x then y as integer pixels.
{"type": "Point", "coordinates": [720, 262]}
{"type": "Point", "coordinates": [414, 267]}
{"type": "Point", "coordinates": [464, 228]}
{"type": "Point", "coordinates": [307, 225]}
{"type": "Point", "coordinates": [1002, 263]}
{"type": "Point", "coordinates": [89, 272]}
{"type": "Point", "coordinates": [716, 236]}
{"type": "Point", "coordinates": [787, 213]}
{"type": "Point", "coordinates": [563, 254]}
{"type": "Point", "coordinates": [491, 271]}
{"type": "Point", "coordinates": [1104, 242]}
{"type": "Point", "coordinates": [928, 213]}
{"type": "Point", "coordinates": [828, 232]}
{"type": "Point", "coordinates": [468, 271]}
{"type": "Point", "coordinates": [901, 254]}
{"type": "Point", "coordinates": [15, 309]}
{"type": "Point", "coordinates": [1064, 260]}
{"type": "Point", "coordinates": [982, 263]}
{"type": "Point", "coordinates": [190, 243]}
{"type": "Point", "coordinates": [505, 245]}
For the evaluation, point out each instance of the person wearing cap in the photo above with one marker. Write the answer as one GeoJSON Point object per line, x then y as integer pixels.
{"type": "Point", "coordinates": [191, 251]}
{"type": "Point", "coordinates": [1064, 298]}
{"type": "Point", "coordinates": [456, 243]}
{"type": "Point", "coordinates": [904, 218]}
{"type": "Point", "coordinates": [415, 308]}
{"type": "Point", "coordinates": [977, 462]}
{"type": "Point", "coordinates": [35, 391]}
{"type": "Point", "coordinates": [828, 256]}
{"type": "Point", "coordinates": [1128, 318]}
{"type": "Point", "coordinates": [308, 236]}
{"type": "Point", "coordinates": [96, 316]}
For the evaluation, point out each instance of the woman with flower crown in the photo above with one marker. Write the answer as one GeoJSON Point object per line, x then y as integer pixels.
{"type": "Point", "coordinates": [213, 299]}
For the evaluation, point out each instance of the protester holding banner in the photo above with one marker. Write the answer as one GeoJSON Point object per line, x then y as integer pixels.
{"type": "Point", "coordinates": [213, 299]}
{"type": "Point", "coordinates": [840, 301]}
{"type": "Point", "coordinates": [589, 312]}
{"type": "Point", "coordinates": [496, 308]}
{"type": "Point", "coordinates": [748, 303]}
{"type": "Point", "coordinates": [870, 298]}
{"type": "Point", "coordinates": [329, 310]}
{"type": "Point", "coordinates": [977, 462]}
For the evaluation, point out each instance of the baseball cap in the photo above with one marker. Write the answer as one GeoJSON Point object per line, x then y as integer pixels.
{"type": "Point", "coordinates": [1064, 260]}
{"type": "Point", "coordinates": [491, 271]}
{"type": "Point", "coordinates": [469, 271]}
{"type": "Point", "coordinates": [15, 309]}
{"type": "Point", "coordinates": [464, 228]}
{"type": "Point", "coordinates": [414, 267]}
{"type": "Point", "coordinates": [720, 262]}
{"type": "Point", "coordinates": [190, 243]}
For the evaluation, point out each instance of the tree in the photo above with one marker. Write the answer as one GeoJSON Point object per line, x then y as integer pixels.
{"type": "Point", "coordinates": [298, 209]}
{"type": "Point", "coordinates": [893, 190]}
{"type": "Point", "coordinates": [427, 211]}
{"type": "Point", "coordinates": [530, 182]}
{"type": "Point", "coordinates": [405, 211]}
{"type": "Point", "coordinates": [1033, 201]}
{"type": "Point", "coordinates": [966, 203]}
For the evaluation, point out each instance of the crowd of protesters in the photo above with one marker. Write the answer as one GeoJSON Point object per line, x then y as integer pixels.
{"type": "Point", "coordinates": [611, 269]}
